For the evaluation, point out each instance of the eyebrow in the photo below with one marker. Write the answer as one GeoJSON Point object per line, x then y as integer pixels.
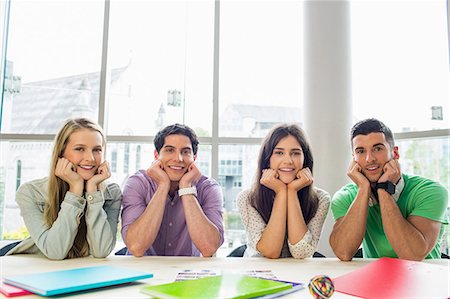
{"type": "Point", "coordinates": [375, 145]}
{"type": "Point", "coordinates": [378, 144]}
{"type": "Point", "coordinates": [84, 145]}
{"type": "Point", "coordinates": [282, 148]}
{"type": "Point", "coordinates": [173, 147]}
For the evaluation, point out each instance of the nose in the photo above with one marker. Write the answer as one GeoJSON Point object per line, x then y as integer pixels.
{"type": "Point", "coordinates": [289, 159]}
{"type": "Point", "coordinates": [88, 156]}
{"type": "Point", "coordinates": [369, 156]}
{"type": "Point", "coordinates": [179, 156]}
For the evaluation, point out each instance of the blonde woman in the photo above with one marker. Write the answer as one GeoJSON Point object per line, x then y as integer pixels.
{"type": "Point", "coordinates": [72, 212]}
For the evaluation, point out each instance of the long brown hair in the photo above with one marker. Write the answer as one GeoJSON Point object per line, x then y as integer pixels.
{"type": "Point", "coordinates": [262, 198]}
{"type": "Point", "coordinates": [57, 188]}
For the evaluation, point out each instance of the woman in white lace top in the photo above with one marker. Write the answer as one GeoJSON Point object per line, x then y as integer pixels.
{"type": "Point", "coordinates": [283, 213]}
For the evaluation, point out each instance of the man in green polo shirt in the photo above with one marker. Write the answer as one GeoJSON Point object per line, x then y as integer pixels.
{"type": "Point", "coordinates": [391, 213]}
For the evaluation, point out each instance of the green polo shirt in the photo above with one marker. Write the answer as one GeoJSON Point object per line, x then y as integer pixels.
{"type": "Point", "coordinates": [420, 197]}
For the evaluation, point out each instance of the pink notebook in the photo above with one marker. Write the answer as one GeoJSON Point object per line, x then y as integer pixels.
{"type": "Point", "coordinates": [11, 291]}
{"type": "Point", "coordinates": [396, 278]}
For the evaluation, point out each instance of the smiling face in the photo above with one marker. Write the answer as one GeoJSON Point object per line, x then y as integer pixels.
{"type": "Point", "coordinates": [287, 158]}
{"type": "Point", "coordinates": [176, 155]}
{"type": "Point", "coordinates": [85, 151]}
{"type": "Point", "coordinates": [371, 152]}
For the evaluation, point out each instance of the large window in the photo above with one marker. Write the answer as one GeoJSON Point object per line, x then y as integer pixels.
{"type": "Point", "coordinates": [260, 66]}
{"type": "Point", "coordinates": [229, 69]}
{"type": "Point", "coordinates": [161, 65]}
{"type": "Point", "coordinates": [52, 61]}
{"type": "Point", "coordinates": [400, 63]}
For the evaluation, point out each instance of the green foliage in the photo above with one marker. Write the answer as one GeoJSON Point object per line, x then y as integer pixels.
{"type": "Point", "coordinates": [233, 221]}
{"type": "Point", "coordinates": [429, 161]}
{"type": "Point", "coordinates": [20, 234]}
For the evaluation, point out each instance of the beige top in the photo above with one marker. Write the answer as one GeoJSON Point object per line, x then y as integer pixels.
{"type": "Point", "coordinates": [255, 226]}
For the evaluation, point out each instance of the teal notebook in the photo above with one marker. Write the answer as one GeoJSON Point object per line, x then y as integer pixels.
{"type": "Point", "coordinates": [67, 281]}
{"type": "Point", "coordinates": [224, 286]}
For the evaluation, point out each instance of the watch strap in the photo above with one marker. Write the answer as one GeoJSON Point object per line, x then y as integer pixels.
{"type": "Point", "coordinates": [187, 191]}
{"type": "Point", "coordinates": [388, 186]}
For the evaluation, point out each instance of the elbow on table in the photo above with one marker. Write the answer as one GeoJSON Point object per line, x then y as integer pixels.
{"type": "Point", "coordinates": [413, 256]}
{"type": "Point", "coordinates": [302, 256]}
{"type": "Point", "coordinates": [415, 253]}
{"type": "Point", "coordinates": [136, 251]}
{"type": "Point", "coordinates": [56, 256]}
{"type": "Point", "coordinates": [101, 255]}
{"type": "Point", "coordinates": [272, 254]}
{"type": "Point", "coordinates": [207, 251]}
{"type": "Point", "coordinates": [102, 251]}
{"type": "Point", "coordinates": [343, 255]}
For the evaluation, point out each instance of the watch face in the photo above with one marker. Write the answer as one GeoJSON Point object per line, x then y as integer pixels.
{"type": "Point", "coordinates": [390, 187]}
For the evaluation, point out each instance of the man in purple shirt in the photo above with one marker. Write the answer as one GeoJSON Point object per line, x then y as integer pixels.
{"type": "Point", "coordinates": [171, 208]}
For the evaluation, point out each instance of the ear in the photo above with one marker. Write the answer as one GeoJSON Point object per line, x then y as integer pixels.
{"type": "Point", "coordinates": [156, 155]}
{"type": "Point", "coordinates": [396, 154]}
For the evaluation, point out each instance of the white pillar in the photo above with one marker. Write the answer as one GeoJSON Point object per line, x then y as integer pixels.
{"type": "Point", "coordinates": [327, 86]}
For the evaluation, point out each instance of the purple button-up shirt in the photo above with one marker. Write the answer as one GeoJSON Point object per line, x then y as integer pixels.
{"type": "Point", "coordinates": [173, 237]}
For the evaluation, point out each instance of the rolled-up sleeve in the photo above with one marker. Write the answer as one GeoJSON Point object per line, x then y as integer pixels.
{"type": "Point", "coordinates": [134, 202]}
{"type": "Point", "coordinates": [211, 200]}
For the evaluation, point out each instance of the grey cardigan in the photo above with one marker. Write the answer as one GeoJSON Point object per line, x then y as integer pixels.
{"type": "Point", "coordinates": [102, 214]}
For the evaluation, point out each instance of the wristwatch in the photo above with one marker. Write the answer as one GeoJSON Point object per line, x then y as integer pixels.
{"type": "Point", "coordinates": [186, 191]}
{"type": "Point", "coordinates": [388, 186]}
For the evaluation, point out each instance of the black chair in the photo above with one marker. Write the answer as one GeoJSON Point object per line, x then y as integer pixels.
{"type": "Point", "coordinates": [122, 251]}
{"type": "Point", "coordinates": [238, 251]}
{"type": "Point", "coordinates": [358, 254]}
{"type": "Point", "coordinates": [318, 254]}
{"type": "Point", "coordinates": [8, 247]}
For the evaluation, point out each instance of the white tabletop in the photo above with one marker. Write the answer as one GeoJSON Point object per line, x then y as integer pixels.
{"type": "Point", "coordinates": [165, 269]}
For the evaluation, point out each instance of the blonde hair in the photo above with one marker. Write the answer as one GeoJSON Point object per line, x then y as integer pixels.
{"type": "Point", "coordinates": [57, 188]}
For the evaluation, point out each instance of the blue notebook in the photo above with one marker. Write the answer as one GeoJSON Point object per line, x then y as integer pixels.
{"type": "Point", "coordinates": [67, 281]}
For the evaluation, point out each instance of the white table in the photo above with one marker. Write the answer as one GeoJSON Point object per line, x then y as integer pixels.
{"type": "Point", "coordinates": [165, 269]}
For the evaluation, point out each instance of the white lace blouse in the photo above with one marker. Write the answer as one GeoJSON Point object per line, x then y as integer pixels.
{"type": "Point", "coordinates": [255, 226]}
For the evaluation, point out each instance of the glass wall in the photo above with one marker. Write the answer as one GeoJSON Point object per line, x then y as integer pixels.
{"type": "Point", "coordinates": [161, 65]}
{"type": "Point", "coordinates": [52, 64]}
{"type": "Point", "coordinates": [159, 61]}
{"type": "Point", "coordinates": [400, 63]}
{"type": "Point", "coordinates": [260, 66]}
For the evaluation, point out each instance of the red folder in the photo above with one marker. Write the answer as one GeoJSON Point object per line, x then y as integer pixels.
{"type": "Point", "coordinates": [11, 291]}
{"type": "Point", "coordinates": [396, 278]}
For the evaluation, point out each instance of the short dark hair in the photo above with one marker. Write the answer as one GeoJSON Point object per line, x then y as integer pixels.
{"type": "Point", "coordinates": [175, 129]}
{"type": "Point", "coordinates": [372, 125]}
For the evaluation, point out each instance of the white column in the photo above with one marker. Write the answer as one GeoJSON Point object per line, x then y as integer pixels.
{"type": "Point", "coordinates": [328, 104]}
